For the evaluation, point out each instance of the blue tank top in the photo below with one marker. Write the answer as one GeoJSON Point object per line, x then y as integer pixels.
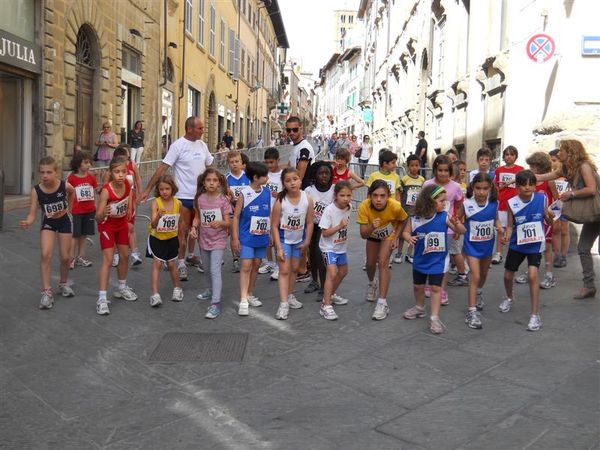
{"type": "Point", "coordinates": [54, 202]}
{"type": "Point", "coordinates": [480, 226]}
{"type": "Point", "coordinates": [236, 184]}
{"type": "Point", "coordinates": [431, 249]}
{"type": "Point", "coordinates": [528, 224]}
{"type": "Point", "coordinates": [255, 222]}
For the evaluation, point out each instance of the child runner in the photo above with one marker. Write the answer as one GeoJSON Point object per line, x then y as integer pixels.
{"type": "Point", "coordinates": [341, 171]}
{"type": "Point", "coordinates": [484, 161]}
{"type": "Point", "coordinates": [84, 206]}
{"type": "Point", "coordinates": [410, 186]}
{"type": "Point", "coordinates": [114, 210]}
{"type": "Point", "coordinates": [163, 244]}
{"type": "Point", "coordinates": [442, 171]}
{"type": "Point", "coordinates": [427, 231]}
{"type": "Point", "coordinates": [560, 236]}
{"type": "Point", "coordinates": [274, 185]}
{"type": "Point", "coordinates": [236, 179]}
{"type": "Point", "coordinates": [211, 226]}
{"type": "Point", "coordinates": [459, 173]}
{"type": "Point", "coordinates": [321, 191]}
{"type": "Point", "coordinates": [250, 231]}
{"type": "Point", "coordinates": [387, 172]}
{"type": "Point", "coordinates": [525, 233]}
{"type": "Point", "coordinates": [292, 227]}
{"type": "Point", "coordinates": [540, 163]}
{"type": "Point", "coordinates": [505, 182]}
{"type": "Point", "coordinates": [481, 218]}
{"type": "Point", "coordinates": [333, 244]}
{"type": "Point", "coordinates": [381, 220]}
{"type": "Point", "coordinates": [55, 198]}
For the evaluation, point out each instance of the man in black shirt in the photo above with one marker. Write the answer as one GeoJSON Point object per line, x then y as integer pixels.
{"type": "Point", "coordinates": [228, 139]}
{"type": "Point", "coordinates": [421, 151]}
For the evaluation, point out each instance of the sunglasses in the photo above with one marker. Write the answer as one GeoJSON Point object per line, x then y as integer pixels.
{"type": "Point", "coordinates": [292, 130]}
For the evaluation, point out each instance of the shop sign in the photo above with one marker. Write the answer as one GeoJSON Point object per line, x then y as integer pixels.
{"type": "Point", "coordinates": [18, 52]}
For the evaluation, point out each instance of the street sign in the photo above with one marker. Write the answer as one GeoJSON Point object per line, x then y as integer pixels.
{"type": "Point", "coordinates": [282, 109]}
{"type": "Point", "coordinates": [590, 46]}
{"type": "Point", "coordinates": [540, 47]}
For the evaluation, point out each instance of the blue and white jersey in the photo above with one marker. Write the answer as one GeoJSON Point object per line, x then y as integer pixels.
{"type": "Point", "coordinates": [472, 174]}
{"type": "Point", "coordinates": [292, 221]}
{"type": "Point", "coordinates": [528, 224]}
{"type": "Point", "coordinates": [480, 226]}
{"type": "Point", "coordinates": [255, 219]}
{"type": "Point", "coordinates": [237, 183]}
{"type": "Point", "coordinates": [431, 248]}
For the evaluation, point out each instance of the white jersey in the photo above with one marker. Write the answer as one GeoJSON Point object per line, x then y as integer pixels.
{"type": "Point", "coordinates": [274, 184]}
{"type": "Point", "coordinates": [292, 221]}
{"type": "Point", "coordinates": [320, 199]}
{"type": "Point", "coordinates": [332, 217]}
{"type": "Point", "coordinates": [188, 160]}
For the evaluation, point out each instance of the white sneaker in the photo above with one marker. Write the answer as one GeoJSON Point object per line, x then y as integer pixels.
{"type": "Point", "coordinates": [65, 290]}
{"type": "Point", "coordinates": [236, 266]}
{"type": "Point", "coordinates": [254, 301]}
{"type": "Point", "coordinates": [275, 274]}
{"type": "Point", "coordinates": [243, 309]}
{"type": "Point", "coordinates": [399, 258]}
{"type": "Point", "coordinates": [372, 291]}
{"type": "Point", "coordinates": [155, 300]}
{"type": "Point", "coordinates": [47, 301]}
{"type": "Point", "coordinates": [535, 323]}
{"type": "Point", "coordinates": [135, 259]}
{"type": "Point", "coordinates": [505, 305]}
{"type": "Point", "coordinates": [126, 294]}
{"type": "Point", "coordinates": [327, 312]}
{"type": "Point", "coordinates": [115, 261]}
{"type": "Point", "coordinates": [293, 302]}
{"type": "Point", "coordinates": [381, 311]}
{"type": "Point", "coordinates": [522, 279]}
{"type": "Point", "coordinates": [183, 272]}
{"type": "Point", "coordinates": [339, 300]}
{"type": "Point", "coordinates": [265, 267]}
{"type": "Point", "coordinates": [102, 308]}
{"type": "Point", "coordinates": [548, 282]}
{"type": "Point", "coordinates": [283, 311]}
{"type": "Point", "coordinates": [177, 295]}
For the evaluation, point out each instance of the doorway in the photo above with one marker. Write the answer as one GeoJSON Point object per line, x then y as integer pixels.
{"type": "Point", "coordinates": [11, 142]}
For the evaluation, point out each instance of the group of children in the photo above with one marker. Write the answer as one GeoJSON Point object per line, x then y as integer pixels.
{"type": "Point", "coordinates": [268, 219]}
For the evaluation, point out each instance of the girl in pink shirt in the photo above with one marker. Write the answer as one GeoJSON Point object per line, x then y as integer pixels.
{"type": "Point", "coordinates": [211, 227]}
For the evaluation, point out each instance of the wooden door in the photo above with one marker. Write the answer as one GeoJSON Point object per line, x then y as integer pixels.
{"type": "Point", "coordinates": [85, 134]}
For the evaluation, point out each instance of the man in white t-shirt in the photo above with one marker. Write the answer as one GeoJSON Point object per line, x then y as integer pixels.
{"type": "Point", "coordinates": [189, 157]}
{"type": "Point", "coordinates": [303, 154]}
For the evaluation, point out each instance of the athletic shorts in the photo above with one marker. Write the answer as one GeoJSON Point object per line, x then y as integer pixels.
{"type": "Point", "coordinates": [84, 224]}
{"type": "Point", "coordinates": [291, 250]}
{"type": "Point", "coordinates": [503, 216]}
{"type": "Point", "coordinates": [108, 237]}
{"type": "Point", "coordinates": [435, 279]}
{"type": "Point", "coordinates": [455, 246]}
{"type": "Point", "coordinates": [163, 249]}
{"type": "Point", "coordinates": [335, 259]}
{"type": "Point", "coordinates": [253, 252]}
{"type": "Point", "coordinates": [548, 232]}
{"type": "Point", "coordinates": [61, 225]}
{"type": "Point", "coordinates": [187, 203]}
{"type": "Point", "coordinates": [515, 258]}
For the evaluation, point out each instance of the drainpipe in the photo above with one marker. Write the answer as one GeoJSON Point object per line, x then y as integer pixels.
{"type": "Point", "coordinates": [181, 82]}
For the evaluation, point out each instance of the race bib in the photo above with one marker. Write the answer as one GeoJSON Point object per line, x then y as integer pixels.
{"type": "Point", "coordinates": [383, 232]}
{"type": "Point", "coordinates": [508, 178]}
{"type": "Point", "coordinates": [435, 241]}
{"type": "Point", "coordinates": [319, 208]}
{"type": "Point", "coordinates": [168, 223]}
{"type": "Point", "coordinates": [391, 185]}
{"type": "Point", "coordinates": [119, 209]}
{"type": "Point", "coordinates": [530, 233]}
{"type": "Point", "coordinates": [271, 187]}
{"type": "Point", "coordinates": [342, 236]}
{"type": "Point", "coordinates": [237, 190]}
{"type": "Point", "coordinates": [481, 231]}
{"type": "Point", "coordinates": [53, 208]}
{"type": "Point", "coordinates": [561, 186]}
{"type": "Point", "coordinates": [292, 222]}
{"type": "Point", "coordinates": [556, 209]}
{"type": "Point", "coordinates": [84, 193]}
{"type": "Point", "coordinates": [208, 216]}
{"type": "Point", "coordinates": [411, 195]}
{"type": "Point", "coordinates": [259, 226]}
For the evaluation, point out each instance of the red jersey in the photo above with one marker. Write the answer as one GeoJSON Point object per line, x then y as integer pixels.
{"type": "Point", "coordinates": [505, 175]}
{"type": "Point", "coordinates": [85, 190]}
{"type": "Point", "coordinates": [119, 206]}
{"type": "Point", "coordinates": [340, 176]}
{"type": "Point", "coordinates": [544, 188]}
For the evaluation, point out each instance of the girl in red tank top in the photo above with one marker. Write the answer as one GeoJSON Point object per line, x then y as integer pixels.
{"type": "Point", "coordinates": [341, 171]}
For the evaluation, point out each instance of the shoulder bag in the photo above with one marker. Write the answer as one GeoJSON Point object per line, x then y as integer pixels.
{"type": "Point", "coordinates": [583, 209]}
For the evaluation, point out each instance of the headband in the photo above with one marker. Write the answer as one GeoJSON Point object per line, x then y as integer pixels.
{"type": "Point", "coordinates": [437, 191]}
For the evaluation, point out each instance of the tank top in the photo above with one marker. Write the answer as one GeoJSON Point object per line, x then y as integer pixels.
{"type": "Point", "coordinates": [320, 199]}
{"type": "Point", "coordinates": [292, 221]}
{"type": "Point", "coordinates": [53, 202]}
{"type": "Point", "coordinates": [528, 226]}
{"type": "Point", "coordinates": [117, 218]}
{"type": "Point", "coordinates": [236, 184]}
{"type": "Point", "coordinates": [431, 248]}
{"type": "Point", "coordinates": [168, 224]}
{"type": "Point", "coordinates": [480, 228]}
{"type": "Point", "coordinates": [255, 222]}
{"type": "Point", "coordinates": [340, 176]}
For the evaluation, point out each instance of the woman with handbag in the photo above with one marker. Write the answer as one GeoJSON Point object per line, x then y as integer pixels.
{"type": "Point", "coordinates": [107, 142]}
{"type": "Point", "coordinates": [581, 204]}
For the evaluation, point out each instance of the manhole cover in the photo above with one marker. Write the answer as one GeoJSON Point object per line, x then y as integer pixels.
{"type": "Point", "coordinates": [201, 347]}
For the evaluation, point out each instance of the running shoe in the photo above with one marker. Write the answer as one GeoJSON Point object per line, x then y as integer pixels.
{"type": "Point", "coordinates": [535, 323]}
{"type": "Point", "coordinates": [243, 309]}
{"type": "Point", "coordinates": [327, 312]}
{"type": "Point", "coordinates": [497, 258]}
{"type": "Point", "coordinates": [47, 300]}
{"type": "Point", "coordinates": [409, 259]}
{"type": "Point", "coordinates": [398, 259]}
{"type": "Point", "coordinates": [522, 279]}
{"type": "Point", "coordinates": [254, 301]}
{"type": "Point", "coordinates": [192, 260]}
{"type": "Point", "coordinates": [505, 305]}
{"type": "Point", "coordinates": [155, 300]}
{"type": "Point", "coordinates": [303, 277]}
{"type": "Point", "coordinates": [473, 320]}
{"type": "Point", "coordinates": [459, 280]}
{"type": "Point", "coordinates": [275, 274]}
{"type": "Point", "coordinates": [135, 259]}
{"type": "Point", "coordinates": [414, 312]}
{"type": "Point", "coordinates": [381, 311]}
{"type": "Point", "coordinates": [265, 267]}
{"type": "Point", "coordinates": [293, 302]}
{"type": "Point", "coordinates": [339, 300]}
{"type": "Point", "coordinates": [213, 312]}
{"type": "Point", "coordinates": [126, 294]}
{"type": "Point", "coordinates": [444, 298]}
{"type": "Point", "coordinates": [206, 294]}
{"type": "Point", "coordinates": [65, 290]}
{"type": "Point", "coordinates": [115, 261]}
{"type": "Point", "coordinates": [479, 304]}
{"type": "Point", "coordinates": [200, 268]}
{"type": "Point", "coordinates": [548, 282]}
{"type": "Point", "coordinates": [283, 311]}
{"type": "Point", "coordinates": [236, 266]}
{"type": "Point", "coordinates": [81, 261]}
{"type": "Point", "coordinates": [102, 308]}
{"type": "Point", "coordinates": [372, 291]}
{"type": "Point", "coordinates": [183, 273]}
{"type": "Point", "coordinates": [72, 264]}
{"type": "Point", "coordinates": [436, 326]}
{"type": "Point", "coordinates": [313, 286]}
{"type": "Point", "coordinates": [177, 295]}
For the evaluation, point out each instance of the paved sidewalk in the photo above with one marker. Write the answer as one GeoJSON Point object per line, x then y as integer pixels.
{"type": "Point", "coordinates": [71, 379]}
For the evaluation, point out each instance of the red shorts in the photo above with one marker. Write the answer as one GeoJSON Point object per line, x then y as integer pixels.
{"type": "Point", "coordinates": [109, 237]}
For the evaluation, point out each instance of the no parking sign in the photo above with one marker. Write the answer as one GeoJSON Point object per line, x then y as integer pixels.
{"type": "Point", "coordinates": [540, 47]}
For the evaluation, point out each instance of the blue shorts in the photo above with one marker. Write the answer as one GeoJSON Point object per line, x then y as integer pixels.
{"type": "Point", "coordinates": [335, 259]}
{"type": "Point", "coordinates": [187, 203]}
{"type": "Point", "coordinates": [291, 250]}
{"type": "Point", "coordinates": [253, 252]}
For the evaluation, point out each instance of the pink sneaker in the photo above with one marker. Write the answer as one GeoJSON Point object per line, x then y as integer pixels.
{"type": "Point", "coordinates": [414, 313]}
{"type": "Point", "coordinates": [427, 291]}
{"type": "Point", "coordinates": [444, 298]}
